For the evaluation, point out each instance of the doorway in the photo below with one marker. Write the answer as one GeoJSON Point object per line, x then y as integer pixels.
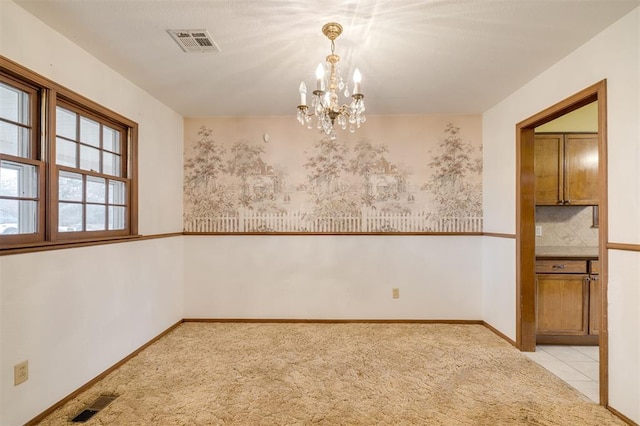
{"type": "Point", "coordinates": [525, 221]}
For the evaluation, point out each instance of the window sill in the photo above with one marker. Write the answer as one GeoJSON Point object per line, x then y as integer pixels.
{"type": "Point", "coordinates": [58, 245]}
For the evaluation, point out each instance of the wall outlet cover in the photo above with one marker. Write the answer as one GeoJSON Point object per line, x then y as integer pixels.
{"type": "Point", "coordinates": [20, 373]}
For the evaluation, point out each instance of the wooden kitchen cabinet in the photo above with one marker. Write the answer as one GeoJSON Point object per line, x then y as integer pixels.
{"type": "Point", "coordinates": [548, 151]}
{"type": "Point", "coordinates": [562, 304]}
{"type": "Point", "coordinates": [567, 301]}
{"type": "Point", "coordinates": [566, 169]}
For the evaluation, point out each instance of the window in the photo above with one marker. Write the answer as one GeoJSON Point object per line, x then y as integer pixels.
{"type": "Point", "coordinates": [21, 172]}
{"type": "Point", "coordinates": [67, 165]}
{"type": "Point", "coordinates": [91, 164]}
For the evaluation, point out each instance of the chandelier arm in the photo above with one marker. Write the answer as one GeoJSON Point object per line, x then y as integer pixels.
{"type": "Point", "coordinates": [304, 109]}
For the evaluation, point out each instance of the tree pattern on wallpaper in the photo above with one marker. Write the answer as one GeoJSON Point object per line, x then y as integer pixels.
{"type": "Point", "coordinates": [344, 190]}
{"type": "Point", "coordinates": [455, 194]}
{"type": "Point", "coordinates": [205, 195]}
{"type": "Point", "coordinates": [331, 197]}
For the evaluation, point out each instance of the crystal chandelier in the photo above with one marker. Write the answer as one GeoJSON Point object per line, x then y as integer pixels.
{"type": "Point", "coordinates": [325, 104]}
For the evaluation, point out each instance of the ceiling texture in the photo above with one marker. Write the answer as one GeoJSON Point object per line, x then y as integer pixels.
{"type": "Point", "coordinates": [416, 57]}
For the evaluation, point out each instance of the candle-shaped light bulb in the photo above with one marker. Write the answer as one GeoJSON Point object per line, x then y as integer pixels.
{"type": "Point", "coordinates": [319, 76]}
{"type": "Point", "coordinates": [303, 93]}
{"type": "Point", "coordinates": [357, 78]}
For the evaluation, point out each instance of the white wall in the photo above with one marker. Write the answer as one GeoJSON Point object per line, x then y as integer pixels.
{"type": "Point", "coordinates": [73, 313]}
{"type": "Point", "coordinates": [624, 313]}
{"type": "Point", "coordinates": [498, 285]}
{"type": "Point", "coordinates": [614, 54]}
{"type": "Point", "coordinates": [328, 277]}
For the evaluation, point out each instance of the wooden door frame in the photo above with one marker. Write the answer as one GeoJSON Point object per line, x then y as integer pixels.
{"type": "Point", "coordinates": [525, 221]}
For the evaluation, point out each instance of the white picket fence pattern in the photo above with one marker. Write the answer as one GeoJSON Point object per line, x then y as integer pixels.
{"type": "Point", "coordinates": [369, 220]}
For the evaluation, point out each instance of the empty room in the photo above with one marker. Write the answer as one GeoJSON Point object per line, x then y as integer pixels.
{"type": "Point", "coordinates": [339, 212]}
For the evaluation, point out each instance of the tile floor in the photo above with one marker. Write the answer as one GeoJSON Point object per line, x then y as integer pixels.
{"type": "Point", "coordinates": [576, 365]}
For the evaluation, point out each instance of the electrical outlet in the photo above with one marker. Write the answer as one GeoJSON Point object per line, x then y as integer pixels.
{"type": "Point", "coordinates": [396, 293]}
{"type": "Point", "coordinates": [20, 373]}
{"type": "Point", "coordinates": [538, 231]}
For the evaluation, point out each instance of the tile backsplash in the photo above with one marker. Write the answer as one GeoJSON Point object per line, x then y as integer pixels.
{"type": "Point", "coordinates": [566, 226]}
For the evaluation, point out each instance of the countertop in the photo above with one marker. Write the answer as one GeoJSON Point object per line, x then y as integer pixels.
{"type": "Point", "coordinates": [572, 251]}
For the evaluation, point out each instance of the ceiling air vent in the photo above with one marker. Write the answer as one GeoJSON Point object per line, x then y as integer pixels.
{"type": "Point", "coordinates": [194, 41]}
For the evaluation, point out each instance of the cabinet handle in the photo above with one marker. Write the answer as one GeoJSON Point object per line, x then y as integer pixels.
{"type": "Point", "coordinates": [560, 202]}
{"type": "Point", "coordinates": [559, 266]}
{"type": "Point", "coordinates": [567, 201]}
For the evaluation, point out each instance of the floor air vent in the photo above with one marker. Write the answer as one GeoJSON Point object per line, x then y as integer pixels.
{"type": "Point", "coordinates": [94, 408]}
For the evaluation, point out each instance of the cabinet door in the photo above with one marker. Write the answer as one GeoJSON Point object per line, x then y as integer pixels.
{"type": "Point", "coordinates": [548, 169]}
{"type": "Point", "coordinates": [581, 169]}
{"type": "Point", "coordinates": [562, 307]}
{"type": "Point", "coordinates": [594, 305]}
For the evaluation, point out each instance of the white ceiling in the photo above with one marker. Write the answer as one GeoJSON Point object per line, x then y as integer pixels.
{"type": "Point", "coordinates": [430, 56]}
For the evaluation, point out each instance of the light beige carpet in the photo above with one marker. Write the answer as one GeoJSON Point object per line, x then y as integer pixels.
{"type": "Point", "coordinates": [334, 374]}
